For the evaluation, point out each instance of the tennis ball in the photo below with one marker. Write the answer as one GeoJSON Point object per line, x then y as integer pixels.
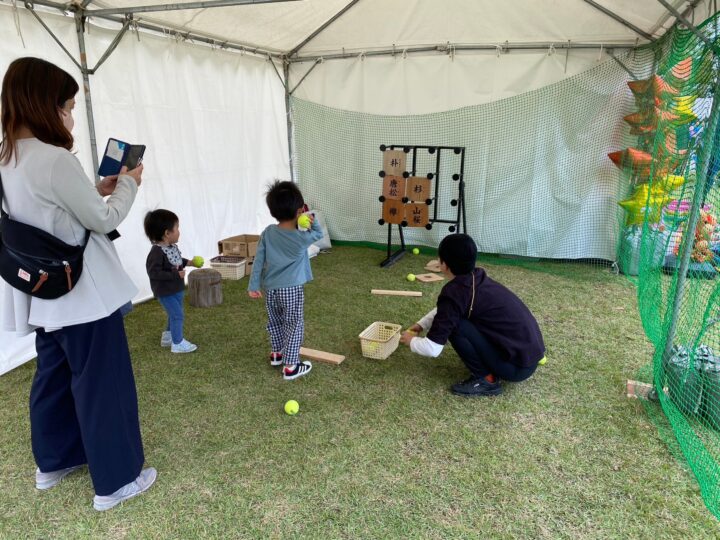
{"type": "Point", "coordinates": [292, 407]}
{"type": "Point", "coordinates": [411, 277]}
{"type": "Point", "coordinates": [416, 251]}
{"type": "Point", "coordinates": [304, 221]}
{"type": "Point", "coordinates": [543, 361]}
{"type": "Point", "coordinates": [198, 261]}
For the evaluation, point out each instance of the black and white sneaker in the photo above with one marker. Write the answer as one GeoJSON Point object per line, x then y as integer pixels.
{"type": "Point", "coordinates": [298, 370]}
{"type": "Point", "coordinates": [476, 387]}
{"type": "Point", "coordinates": [276, 359]}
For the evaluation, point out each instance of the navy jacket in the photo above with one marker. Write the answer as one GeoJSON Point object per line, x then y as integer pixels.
{"type": "Point", "coordinates": [497, 314]}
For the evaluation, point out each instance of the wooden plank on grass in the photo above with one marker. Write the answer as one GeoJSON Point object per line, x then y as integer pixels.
{"type": "Point", "coordinates": [638, 390]}
{"type": "Point", "coordinates": [321, 356]}
{"type": "Point", "coordinates": [396, 293]}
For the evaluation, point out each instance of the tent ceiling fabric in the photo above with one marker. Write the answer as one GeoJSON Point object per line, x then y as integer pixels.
{"type": "Point", "coordinates": [276, 27]}
{"type": "Point", "coordinates": [372, 24]}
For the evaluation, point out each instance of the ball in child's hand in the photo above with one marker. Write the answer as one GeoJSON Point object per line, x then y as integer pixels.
{"type": "Point", "coordinates": [198, 261]}
{"type": "Point", "coordinates": [292, 407]}
{"type": "Point", "coordinates": [304, 221]}
{"type": "Point", "coordinates": [411, 277]}
{"type": "Point", "coordinates": [416, 251]}
{"type": "Point", "coordinates": [543, 361]}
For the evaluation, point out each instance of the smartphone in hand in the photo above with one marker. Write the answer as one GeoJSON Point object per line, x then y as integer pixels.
{"type": "Point", "coordinates": [119, 154]}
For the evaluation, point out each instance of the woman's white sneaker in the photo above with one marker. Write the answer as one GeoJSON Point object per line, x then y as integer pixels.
{"type": "Point", "coordinates": [46, 480]}
{"type": "Point", "coordinates": [166, 339]}
{"type": "Point", "coordinates": [146, 479]}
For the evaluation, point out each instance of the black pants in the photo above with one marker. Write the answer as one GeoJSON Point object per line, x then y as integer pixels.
{"type": "Point", "coordinates": [482, 357]}
{"type": "Point", "coordinates": [83, 403]}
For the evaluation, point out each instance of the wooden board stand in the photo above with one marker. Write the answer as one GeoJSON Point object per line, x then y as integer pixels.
{"type": "Point", "coordinates": [396, 293]}
{"type": "Point", "coordinates": [428, 278]}
{"type": "Point", "coordinates": [433, 266]}
{"type": "Point", "coordinates": [321, 356]}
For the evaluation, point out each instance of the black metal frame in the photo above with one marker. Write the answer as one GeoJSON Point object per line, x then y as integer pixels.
{"type": "Point", "coordinates": [459, 224]}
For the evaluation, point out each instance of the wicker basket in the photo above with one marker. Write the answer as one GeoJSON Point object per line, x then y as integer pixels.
{"type": "Point", "coordinates": [380, 339]}
{"type": "Point", "coordinates": [229, 267]}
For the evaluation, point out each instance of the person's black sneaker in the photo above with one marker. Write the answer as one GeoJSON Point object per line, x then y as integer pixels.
{"type": "Point", "coordinates": [476, 387]}
{"type": "Point", "coordinates": [276, 359]}
{"type": "Point", "coordinates": [298, 370]}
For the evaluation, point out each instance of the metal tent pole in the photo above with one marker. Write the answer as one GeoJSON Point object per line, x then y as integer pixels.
{"type": "Point", "coordinates": [80, 28]}
{"type": "Point", "coordinates": [286, 72]}
{"type": "Point", "coordinates": [445, 48]}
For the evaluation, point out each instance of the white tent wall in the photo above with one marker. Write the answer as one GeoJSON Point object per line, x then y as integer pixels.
{"type": "Point", "coordinates": [213, 121]}
{"type": "Point", "coordinates": [214, 124]}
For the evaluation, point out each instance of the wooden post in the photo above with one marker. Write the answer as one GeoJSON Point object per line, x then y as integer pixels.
{"type": "Point", "coordinates": [205, 288]}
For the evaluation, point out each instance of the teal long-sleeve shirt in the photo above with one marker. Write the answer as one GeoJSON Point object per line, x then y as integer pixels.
{"type": "Point", "coordinates": [282, 259]}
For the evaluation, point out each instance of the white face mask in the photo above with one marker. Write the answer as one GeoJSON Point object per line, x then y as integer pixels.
{"type": "Point", "coordinates": [67, 119]}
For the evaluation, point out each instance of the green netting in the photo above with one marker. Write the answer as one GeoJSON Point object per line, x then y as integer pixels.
{"type": "Point", "coordinates": [672, 241]}
{"type": "Point", "coordinates": [618, 163]}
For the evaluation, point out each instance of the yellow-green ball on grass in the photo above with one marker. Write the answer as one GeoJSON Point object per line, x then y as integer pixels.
{"type": "Point", "coordinates": [416, 251]}
{"type": "Point", "coordinates": [292, 407]}
{"type": "Point", "coordinates": [543, 361]}
{"type": "Point", "coordinates": [198, 261]}
{"type": "Point", "coordinates": [411, 277]}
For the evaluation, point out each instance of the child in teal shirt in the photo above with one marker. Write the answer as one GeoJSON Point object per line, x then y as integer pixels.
{"type": "Point", "coordinates": [281, 268]}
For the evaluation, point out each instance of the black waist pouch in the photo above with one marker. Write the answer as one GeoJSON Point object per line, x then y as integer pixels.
{"type": "Point", "coordinates": [36, 262]}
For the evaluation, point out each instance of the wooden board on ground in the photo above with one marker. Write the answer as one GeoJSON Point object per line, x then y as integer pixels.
{"type": "Point", "coordinates": [396, 293]}
{"type": "Point", "coordinates": [433, 266]}
{"type": "Point", "coordinates": [321, 356]}
{"type": "Point", "coordinates": [428, 278]}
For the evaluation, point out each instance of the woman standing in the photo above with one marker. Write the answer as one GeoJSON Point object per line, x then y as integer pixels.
{"type": "Point", "coordinates": [83, 403]}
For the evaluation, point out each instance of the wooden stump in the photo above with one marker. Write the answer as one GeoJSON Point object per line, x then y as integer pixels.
{"type": "Point", "coordinates": [205, 287]}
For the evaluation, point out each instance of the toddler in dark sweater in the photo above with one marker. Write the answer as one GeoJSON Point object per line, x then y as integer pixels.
{"type": "Point", "coordinates": [166, 270]}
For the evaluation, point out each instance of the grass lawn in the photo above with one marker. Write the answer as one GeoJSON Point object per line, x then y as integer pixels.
{"type": "Point", "coordinates": [380, 448]}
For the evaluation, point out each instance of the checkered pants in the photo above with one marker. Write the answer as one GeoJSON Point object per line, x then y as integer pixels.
{"type": "Point", "coordinates": [286, 324]}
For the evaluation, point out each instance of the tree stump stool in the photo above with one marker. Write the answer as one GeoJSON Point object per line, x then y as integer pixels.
{"type": "Point", "coordinates": [205, 286]}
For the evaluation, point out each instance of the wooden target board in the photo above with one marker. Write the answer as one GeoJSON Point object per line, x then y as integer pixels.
{"type": "Point", "coordinates": [417, 214]}
{"type": "Point", "coordinates": [393, 211]}
{"type": "Point", "coordinates": [394, 187]}
{"type": "Point", "coordinates": [394, 162]}
{"type": "Point", "coordinates": [419, 189]}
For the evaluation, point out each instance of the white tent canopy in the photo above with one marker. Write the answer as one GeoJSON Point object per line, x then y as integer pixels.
{"type": "Point", "coordinates": [372, 24]}
{"type": "Point", "coordinates": [197, 88]}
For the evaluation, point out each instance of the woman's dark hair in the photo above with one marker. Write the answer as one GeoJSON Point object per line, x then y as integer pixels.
{"type": "Point", "coordinates": [459, 252]}
{"type": "Point", "coordinates": [284, 199]}
{"type": "Point", "coordinates": [157, 222]}
{"type": "Point", "coordinates": [32, 92]}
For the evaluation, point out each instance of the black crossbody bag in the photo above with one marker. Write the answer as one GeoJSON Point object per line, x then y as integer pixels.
{"type": "Point", "coordinates": [35, 262]}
